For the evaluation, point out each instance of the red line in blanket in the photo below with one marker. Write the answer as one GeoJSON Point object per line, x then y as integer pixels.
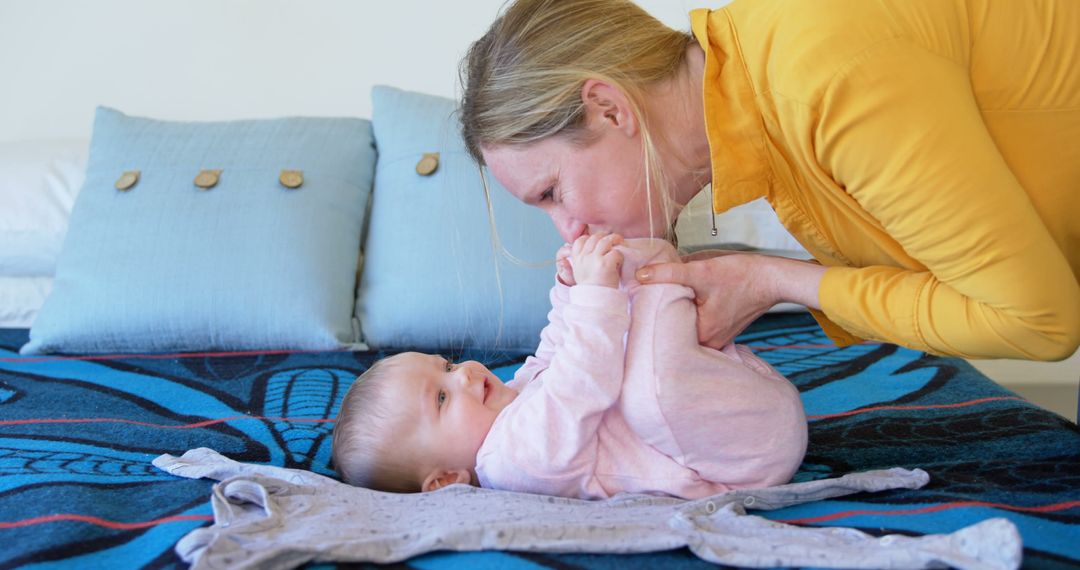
{"type": "Point", "coordinates": [183, 518]}
{"type": "Point", "coordinates": [203, 423]}
{"type": "Point", "coordinates": [927, 407]}
{"type": "Point", "coordinates": [933, 509]}
{"type": "Point", "coordinates": [103, 522]}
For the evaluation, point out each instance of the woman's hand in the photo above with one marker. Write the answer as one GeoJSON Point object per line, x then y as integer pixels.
{"type": "Point", "coordinates": [733, 289]}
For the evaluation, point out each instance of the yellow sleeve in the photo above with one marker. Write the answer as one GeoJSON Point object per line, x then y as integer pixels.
{"type": "Point", "coordinates": [900, 130]}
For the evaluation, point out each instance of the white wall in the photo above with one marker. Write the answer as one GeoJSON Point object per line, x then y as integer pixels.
{"type": "Point", "coordinates": [230, 59]}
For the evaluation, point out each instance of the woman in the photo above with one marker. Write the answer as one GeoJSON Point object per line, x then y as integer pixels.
{"type": "Point", "coordinates": [924, 151]}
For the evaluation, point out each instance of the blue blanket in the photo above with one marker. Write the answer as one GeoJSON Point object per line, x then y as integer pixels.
{"type": "Point", "coordinates": [77, 436]}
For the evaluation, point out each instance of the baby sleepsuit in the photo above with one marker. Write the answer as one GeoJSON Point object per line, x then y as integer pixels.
{"type": "Point", "coordinates": [620, 397]}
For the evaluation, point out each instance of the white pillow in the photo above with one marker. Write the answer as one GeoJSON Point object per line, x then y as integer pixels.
{"type": "Point", "coordinates": [750, 226]}
{"type": "Point", "coordinates": [38, 183]}
{"type": "Point", "coordinates": [21, 298]}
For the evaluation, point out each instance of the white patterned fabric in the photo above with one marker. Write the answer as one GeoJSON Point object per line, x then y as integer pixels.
{"type": "Point", "coordinates": [272, 517]}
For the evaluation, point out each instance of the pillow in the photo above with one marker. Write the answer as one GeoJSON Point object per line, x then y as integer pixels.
{"type": "Point", "coordinates": [38, 183]}
{"type": "Point", "coordinates": [248, 263]}
{"type": "Point", "coordinates": [21, 298]}
{"type": "Point", "coordinates": [750, 226]}
{"type": "Point", "coordinates": [429, 279]}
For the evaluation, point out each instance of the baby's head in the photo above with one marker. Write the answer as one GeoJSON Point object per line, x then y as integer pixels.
{"type": "Point", "coordinates": [414, 422]}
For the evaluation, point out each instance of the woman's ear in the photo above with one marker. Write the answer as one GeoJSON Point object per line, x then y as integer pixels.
{"type": "Point", "coordinates": [442, 477]}
{"type": "Point", "coordinates": [607, 106]}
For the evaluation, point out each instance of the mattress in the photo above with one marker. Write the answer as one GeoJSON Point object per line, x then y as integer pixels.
{"type": "Point", "coordinates": [77, 436]}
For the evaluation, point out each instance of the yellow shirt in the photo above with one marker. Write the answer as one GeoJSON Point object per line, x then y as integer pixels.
{"type": "Point", "coordinates": [926, 151]}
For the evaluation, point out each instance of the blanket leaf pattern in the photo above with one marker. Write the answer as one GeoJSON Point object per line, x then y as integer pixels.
{"type": "Point", "coordinates": [77, 435]}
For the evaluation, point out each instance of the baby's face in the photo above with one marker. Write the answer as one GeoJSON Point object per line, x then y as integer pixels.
{"type": "Point", "coordinates": [449, 407]}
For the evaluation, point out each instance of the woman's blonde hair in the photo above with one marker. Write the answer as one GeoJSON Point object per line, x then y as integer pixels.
{"type": "Point", "coordinates": [522, 80]}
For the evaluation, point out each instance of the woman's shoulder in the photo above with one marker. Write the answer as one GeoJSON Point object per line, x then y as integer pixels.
{"type": "Point", "coordinates": [795, 25]}
{"type": "Point", "coordinates": [795, 48]}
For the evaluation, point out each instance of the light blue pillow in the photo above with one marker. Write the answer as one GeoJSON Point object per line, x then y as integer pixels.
{"type": "Point", "coordinates": [247, 264]}
{"type": "Point", "coordinates": [429, 279]}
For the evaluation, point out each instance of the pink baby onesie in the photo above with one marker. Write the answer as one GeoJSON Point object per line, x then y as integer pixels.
{"type": "Point", "coordinates": [620, 397]}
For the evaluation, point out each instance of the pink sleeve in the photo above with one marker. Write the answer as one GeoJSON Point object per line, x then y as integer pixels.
{"type": "Point", "coordinates": [554, 428]}
{"type": "Point", "coordinates": [550, 338]}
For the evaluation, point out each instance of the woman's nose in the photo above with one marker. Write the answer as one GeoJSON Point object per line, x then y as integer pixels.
{"type": "Point", "coordinates": [569, 228]}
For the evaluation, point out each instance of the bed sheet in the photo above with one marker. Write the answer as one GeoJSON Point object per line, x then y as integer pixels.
{"type": "Point", "coordinates": [77, 436]}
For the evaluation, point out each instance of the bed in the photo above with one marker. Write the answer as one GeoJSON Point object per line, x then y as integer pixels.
{"type": "Point", "coordinates": [77, 436]}
{"type": "Point", "coordinates": [197, 285]}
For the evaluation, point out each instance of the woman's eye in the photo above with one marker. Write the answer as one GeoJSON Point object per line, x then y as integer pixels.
{"type": "Point", "coordinates": [441, 398]}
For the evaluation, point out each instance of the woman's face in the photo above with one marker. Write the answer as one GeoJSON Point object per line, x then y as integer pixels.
{"type": "Point", "coordinates": [598, 187]}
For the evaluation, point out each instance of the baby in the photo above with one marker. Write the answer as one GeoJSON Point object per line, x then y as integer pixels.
{"type": "Point", "coordinates": [619, 397]}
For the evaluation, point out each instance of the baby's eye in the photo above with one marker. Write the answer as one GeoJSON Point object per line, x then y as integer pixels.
{"type": "Point", "coordinates": [547, 194]}
{"type": "Point", "coordinates": [449, 366]}
{"type": "Point", "coordinates": [441, 397]}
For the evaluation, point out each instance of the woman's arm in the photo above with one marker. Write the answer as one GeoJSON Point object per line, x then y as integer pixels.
{"type": "Point", "coordinates": [903, 134]}
{"type": "Point", "coordinates": [792, 280]}
{"type": "Point", "coordinates": [732, 289]}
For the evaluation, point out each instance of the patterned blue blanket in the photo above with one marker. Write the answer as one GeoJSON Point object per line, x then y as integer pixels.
{"type": "Point", "coordinates": [77, 436]}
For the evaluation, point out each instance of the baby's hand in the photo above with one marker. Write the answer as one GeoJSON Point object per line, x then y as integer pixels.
{"type": "Point", "coordinates": [596, 262]}
{"type": "Point", "coordinates": [563, 270]}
